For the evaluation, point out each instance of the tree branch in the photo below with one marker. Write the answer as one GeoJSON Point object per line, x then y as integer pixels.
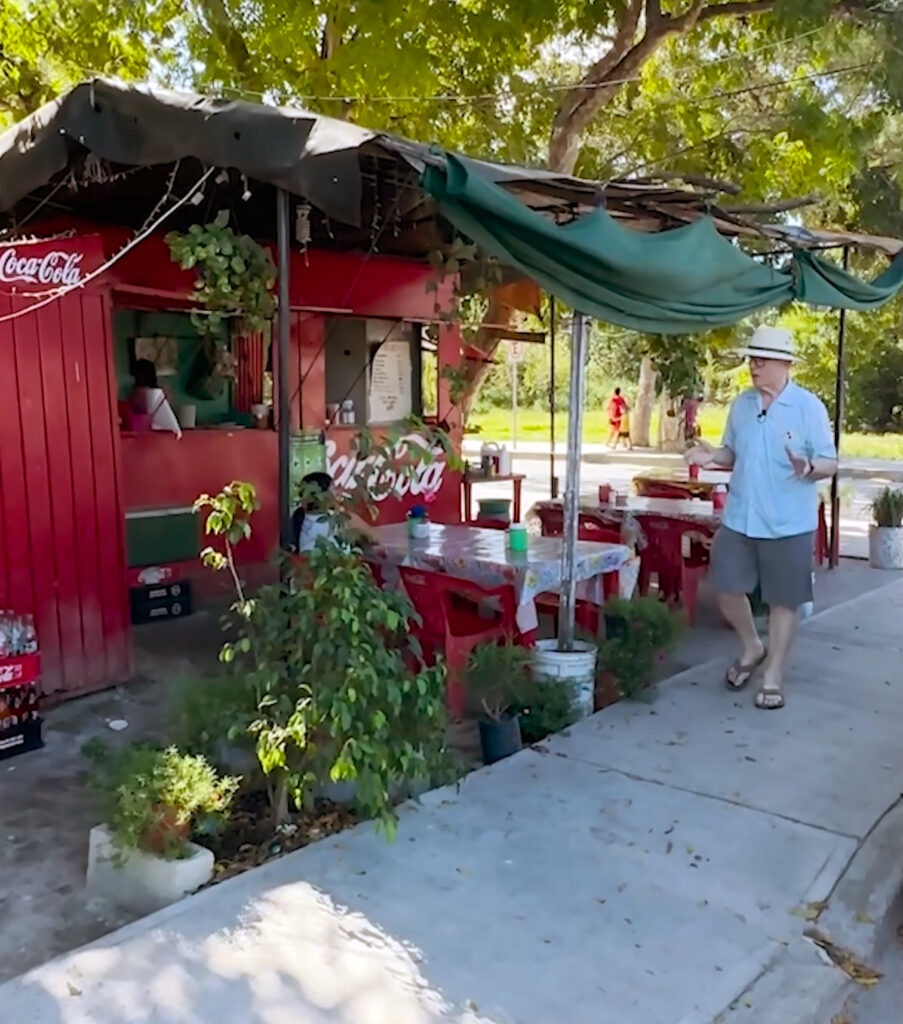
{"type": "Point", "coordinates": [223, 29]}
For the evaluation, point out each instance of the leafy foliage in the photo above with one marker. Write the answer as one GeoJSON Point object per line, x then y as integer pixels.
{"type": "Point", "coordinates": [498, 677]}
{"type": "Point", "coordinates": [325, 657]}
{"type": "Point", "coordinates": [152, 798]}
{"type": "Point", "coordinates": [236, 275]}
{"type": "Point", "coordinates": [887, 507]}
{"type": "Point", "coordinates": [549, 708]}
{"type": "Point", "coordinates": [229, 518]}
{"type": "Point", "coordinates": [637, 633]}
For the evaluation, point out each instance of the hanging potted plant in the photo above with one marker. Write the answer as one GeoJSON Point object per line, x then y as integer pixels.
{"type": "Point", "coordinates": [235, 280]}
{"type": "Point", "coordinates": [886, 532]}
{"type": "Point", "coordinates": [498, 678]}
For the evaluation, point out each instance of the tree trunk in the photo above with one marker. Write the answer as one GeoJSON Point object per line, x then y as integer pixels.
{"type": "Point", "coordinates": [641, 418]}
{"type": "Point", "coordinates": [669, 424]}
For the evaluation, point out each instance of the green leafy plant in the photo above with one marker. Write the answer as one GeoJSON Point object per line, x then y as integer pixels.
{"type": "Point", "coordinates": [887, 507]}
{"type": "Point", "coordinates": [236, 275]}
{"type": "Point", "coordinates": [152, 798]}
{"type": "Point", "coordinates": [549, 708]}
{"type": "Point", "coordinates": [498, 678]}
{"type": "Point", "coordinates": [326, 655]}
{"type": "Point", "coordinates": [637, 634]}
{"type": "Point", "coordinates": [229, 518]}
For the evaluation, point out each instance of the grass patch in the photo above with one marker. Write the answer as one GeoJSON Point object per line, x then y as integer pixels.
{"type": "Point", "coordinates": [533, 425]}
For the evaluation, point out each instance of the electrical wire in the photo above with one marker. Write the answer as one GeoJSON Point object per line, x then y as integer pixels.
{"type": "Point", "coordinates": [137, 240]}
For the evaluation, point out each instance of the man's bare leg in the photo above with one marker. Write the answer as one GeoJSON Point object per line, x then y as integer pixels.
{"type": "Point", "coordinates": [736, 609]}
{"type": "Point", "coordinates": [781, 630]}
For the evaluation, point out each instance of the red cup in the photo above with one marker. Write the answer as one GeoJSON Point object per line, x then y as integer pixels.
{"type": "Point", "coordinates": [719, 497]}
{"type": "Point", "coordinates": [694, 472]}
{"type": "Point", "coordinates": [604, 494]}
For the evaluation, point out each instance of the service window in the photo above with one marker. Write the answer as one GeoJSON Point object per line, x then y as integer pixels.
{"type": "Point", "coordinates": [373, 370]}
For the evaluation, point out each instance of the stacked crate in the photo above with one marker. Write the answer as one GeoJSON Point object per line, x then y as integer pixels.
{"type": "Point", "coordinates": [20, 679]}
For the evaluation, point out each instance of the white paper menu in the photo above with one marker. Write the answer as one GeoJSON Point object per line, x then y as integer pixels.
{"type": "Point", "coordinates": [390, 382]}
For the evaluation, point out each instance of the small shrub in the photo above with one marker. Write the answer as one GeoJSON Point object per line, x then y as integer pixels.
{"type": "Point", "coordinates": [549, 708]}
{"type": "Point", "coordinates": [887, 507]}
{"type": "Point", "coordinates": [498, 678]}
{"type": "Point", "coordinates": [152, 798]}
{"type": "Point", "coordinates": [637, 634]}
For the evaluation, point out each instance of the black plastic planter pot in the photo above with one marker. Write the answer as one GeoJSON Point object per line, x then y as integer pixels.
{"type": "Point", "coordinates": [500, 739]}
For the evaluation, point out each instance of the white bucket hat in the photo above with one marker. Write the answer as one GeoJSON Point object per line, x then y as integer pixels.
{"type": "Point", "coordinates": [770, 343]}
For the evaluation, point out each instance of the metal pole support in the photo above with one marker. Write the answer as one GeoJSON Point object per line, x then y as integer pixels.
{"type": "Point", "coordinates": [283, 406]}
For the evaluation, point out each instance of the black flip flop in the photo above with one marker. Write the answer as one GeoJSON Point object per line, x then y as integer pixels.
{"type": "Point", "coordinates": [742, 673]}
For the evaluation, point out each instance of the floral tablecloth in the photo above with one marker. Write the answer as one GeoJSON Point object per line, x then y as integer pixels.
{"type": "Point", "coordinates": [483, 557]}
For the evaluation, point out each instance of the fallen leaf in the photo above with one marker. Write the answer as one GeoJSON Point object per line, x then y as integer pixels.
{"type": "Point", "coordinates": [747, 1002]}
{"type": "Point", "coordinates": [669, 847]}
{"type": "Point", "coordinates": [690, 848]}
{"type": "Point", "coordinates": [860, 972]}
{"type": "Point", "coordinates": [809, 911]}
{"type": "Point", "coordinates": [702, 903]}
{"type": "Point", "coordinates": [864, 919]}
{"type": "Point", "coordinates": [73, 991]}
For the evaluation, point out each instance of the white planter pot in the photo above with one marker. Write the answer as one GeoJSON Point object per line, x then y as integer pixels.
{"type": "Point", "coordinates": [141, 881]}
{"type": "Point", "coordinates": [886, 547]}
{"type": "Point", "coordinates": [577, 667]}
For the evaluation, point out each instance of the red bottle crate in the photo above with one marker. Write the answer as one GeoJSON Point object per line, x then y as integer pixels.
{"type": "Point", "coordinates": [19, 669]}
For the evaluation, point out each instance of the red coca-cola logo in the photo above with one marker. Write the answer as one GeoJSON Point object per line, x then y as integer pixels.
{"type": "Point", "coordinates": [51, 268]}
{"type": "Point", "coordinates": [383, 478]}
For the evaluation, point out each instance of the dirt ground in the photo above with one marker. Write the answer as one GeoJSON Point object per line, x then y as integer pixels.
{"type": "Point", "coordinates": [48, 811]}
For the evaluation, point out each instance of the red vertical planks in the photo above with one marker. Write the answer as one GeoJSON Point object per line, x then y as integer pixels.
{"type": "Point", "coordinates": [36, 495]}
{"type": "Point", "coordinates": [83, 496]}
{"type": "Point", "coordinates": [63, 526]}
{"type": "Point", "coordinates": [111, 582]}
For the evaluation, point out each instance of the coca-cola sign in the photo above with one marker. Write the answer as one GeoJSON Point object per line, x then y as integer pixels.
{"type": "Point", "coordinates": [54, 268]}
{"type": "Point", "coordinates": [409, 472]}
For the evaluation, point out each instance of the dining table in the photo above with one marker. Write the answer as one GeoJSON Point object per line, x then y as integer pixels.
{"type": "Point", "coordinates": [484, 557]}
{"type": "Point", "coordinates": [700, 487]}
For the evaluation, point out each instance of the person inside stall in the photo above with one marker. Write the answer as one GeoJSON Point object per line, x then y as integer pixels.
{"type": "Point", "coordinates": [319, 515]}
{"type": "Point", "coordinates": [149, 406]}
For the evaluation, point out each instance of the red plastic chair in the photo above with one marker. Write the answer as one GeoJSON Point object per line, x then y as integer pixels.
{"type": "Point", "coordinates": [586, 615]}
{"type": "Point", "coordinates": [664, 556]}
{"type": "Point", "coordinates": [551, 520]}
{"type": "Point", "coordinates": [489, 524]}
{"type": "Point", "coordinates": [449, 609]}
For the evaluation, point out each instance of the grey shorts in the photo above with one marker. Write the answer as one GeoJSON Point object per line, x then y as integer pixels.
{"type": "Point", "coordinates": [782, 568]}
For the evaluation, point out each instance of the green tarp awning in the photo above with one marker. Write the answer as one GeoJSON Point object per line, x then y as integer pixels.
{"type": "Point", "coordinates": [681, 281]}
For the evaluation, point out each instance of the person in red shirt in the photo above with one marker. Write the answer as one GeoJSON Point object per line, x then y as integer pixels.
{"type": "Point", "coordinates": [617, 408]}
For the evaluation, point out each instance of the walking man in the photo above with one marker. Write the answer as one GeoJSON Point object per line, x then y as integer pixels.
{"type": "Point", "coordinates": [778, 442]}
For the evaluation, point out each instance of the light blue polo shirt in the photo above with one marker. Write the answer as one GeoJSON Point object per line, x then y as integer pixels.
{"type": "Point", "coordinates": [766, 498]}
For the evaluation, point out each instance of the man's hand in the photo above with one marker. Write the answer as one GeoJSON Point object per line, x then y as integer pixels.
{"type": "Point", "coordinates": [701, 454]}
{"type": "Point", "coordinates": [802, 464]}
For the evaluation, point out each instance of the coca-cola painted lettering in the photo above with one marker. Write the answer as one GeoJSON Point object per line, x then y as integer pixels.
{"type": "Point", "coordinates": [50, 268]}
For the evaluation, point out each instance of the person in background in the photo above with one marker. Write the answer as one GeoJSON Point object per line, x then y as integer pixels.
{"type": "Point", "coordinates": [691, 411]}
{"type": "Point", "coordinates": [617, 408]}
{"type": "Point", "coordinates": [147, 398]}
{"type": "Point", "coordinates": [778, 442]}
{"type": "Point", "coordinates": [316, 515]}
{"type": "Point", "coordinates": [624, 432]}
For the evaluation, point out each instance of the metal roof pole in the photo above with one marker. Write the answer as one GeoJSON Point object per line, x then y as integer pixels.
{"type": "Point", "coordinates": [834, 544]}
{"type": "Point", "coordinates": [283, 407]}
{"type": "Point", "coordinates": [568, 602]}
{"type": "Point", "coordinates": [553, 480]}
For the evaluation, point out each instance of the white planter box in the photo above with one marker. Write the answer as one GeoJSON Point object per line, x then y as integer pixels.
{"type": "Point", "coordinates": [143, 881]}
{"type": "Point", "coordinates": [886, 547]}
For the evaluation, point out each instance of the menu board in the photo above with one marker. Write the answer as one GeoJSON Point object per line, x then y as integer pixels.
{"type": "Point", "coordinates": [390, 382]}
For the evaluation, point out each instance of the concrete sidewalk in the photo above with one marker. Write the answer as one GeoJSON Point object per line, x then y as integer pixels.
{"type": "Point", "coordinates": [641, 870]}
{"type": "Point", "coordinates": [858, 469]}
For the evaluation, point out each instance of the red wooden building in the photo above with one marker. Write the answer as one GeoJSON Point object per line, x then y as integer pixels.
{"type": "Point", "coordinates": [72, 480]}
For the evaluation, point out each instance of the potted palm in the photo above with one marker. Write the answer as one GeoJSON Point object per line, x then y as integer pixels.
{"type": "Point", "coordinates": [886, 532]}
{"type": "Point", "coordinates": [498, 677]}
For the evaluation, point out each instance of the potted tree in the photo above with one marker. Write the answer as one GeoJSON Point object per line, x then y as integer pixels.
{"type": "Point", "coordinates": [886, 533]}
{"type": "Point", "coordinates": [498, 676]}
{"type": "Point", "coordinates": [152, 799]}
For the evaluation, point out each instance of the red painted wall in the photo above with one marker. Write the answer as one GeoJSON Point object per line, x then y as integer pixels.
{"type": "Point", "coordinates": [67, 476]}
{"type": "Point", "coordinates": [61, 532]}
